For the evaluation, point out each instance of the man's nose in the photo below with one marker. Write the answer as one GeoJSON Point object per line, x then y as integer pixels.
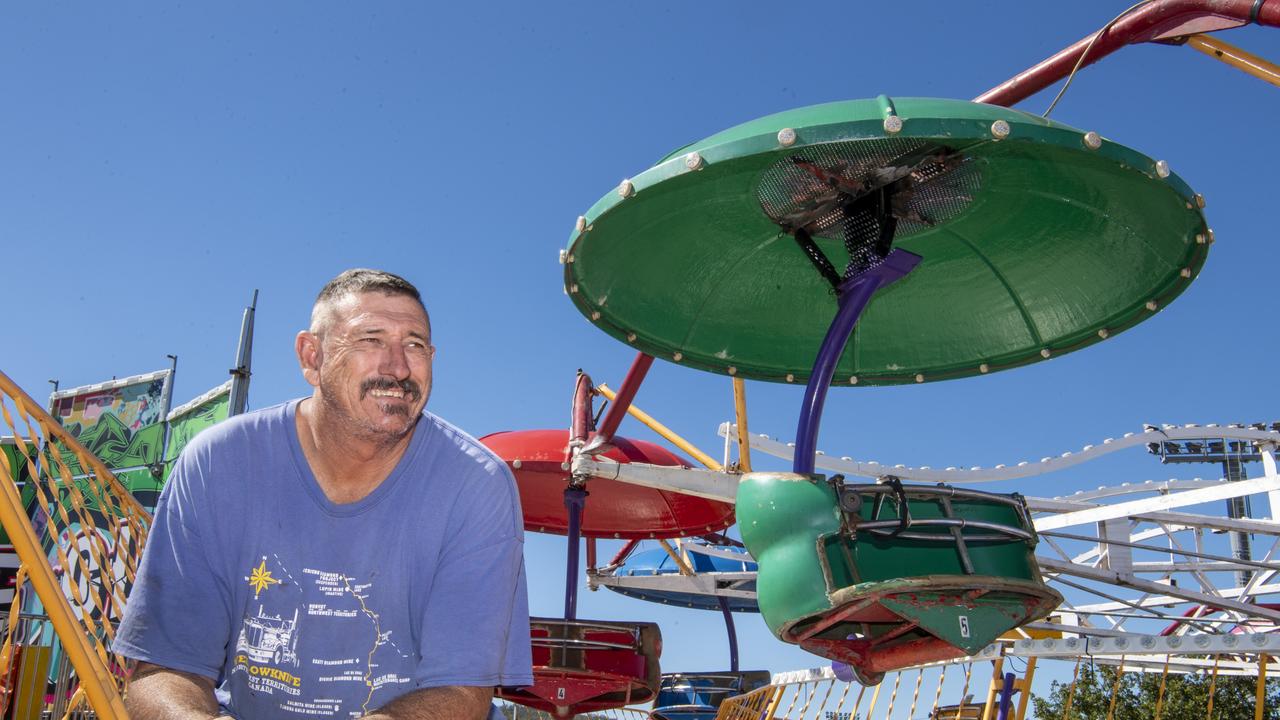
{"type": "Point", "coordinates": [395, 362]}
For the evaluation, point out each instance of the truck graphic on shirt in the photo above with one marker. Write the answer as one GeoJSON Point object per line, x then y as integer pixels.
{"type": "Point", "coordinates": [270, 638]}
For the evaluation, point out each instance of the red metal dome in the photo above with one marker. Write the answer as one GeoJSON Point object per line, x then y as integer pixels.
{"type": "Point", "coordinates": [613, 509]}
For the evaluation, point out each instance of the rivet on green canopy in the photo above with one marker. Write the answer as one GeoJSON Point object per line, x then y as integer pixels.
{"type": "Point", "coordinates": [1037, 239]}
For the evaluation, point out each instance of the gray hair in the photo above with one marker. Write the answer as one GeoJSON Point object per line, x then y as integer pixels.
{"type": "Point", "coordinates": [355, 281]}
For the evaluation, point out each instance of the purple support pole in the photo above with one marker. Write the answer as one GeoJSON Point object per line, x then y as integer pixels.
{"type": "Point", "coordinates": [855, 293]}
{"type": "Point", "coordinates": [574, 499]}
{"type": "Point", "coordinates": [1006, 698]}
{"type": "Point", "coordinates": [733, 634]}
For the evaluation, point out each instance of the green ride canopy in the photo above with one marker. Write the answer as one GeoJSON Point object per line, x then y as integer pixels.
{"type": "Point", "coordinates": [1037, 238]}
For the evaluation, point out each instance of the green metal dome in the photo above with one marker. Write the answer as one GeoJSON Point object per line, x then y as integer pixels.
{"type": "Point", "coordinates": [1037, 238]}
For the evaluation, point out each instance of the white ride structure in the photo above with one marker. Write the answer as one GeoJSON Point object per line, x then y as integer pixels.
{"type": "Point", "coordinates": [1148, 578]}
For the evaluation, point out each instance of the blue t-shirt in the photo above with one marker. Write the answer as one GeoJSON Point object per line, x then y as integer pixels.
{"type": "Point", "coordinates": [298, 607]}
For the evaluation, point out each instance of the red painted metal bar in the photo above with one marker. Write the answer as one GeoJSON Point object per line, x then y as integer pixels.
{"type": "Point", "coordinates": [580, 419]}
{"type": "Point", "coordinates": [626, 393]}
{"type": "Point", "coordinates": [575, 496]}
{"type": "Point", "coordinates": [624, 553]}
{"type": "Point", "coordinates": [1154, 21]}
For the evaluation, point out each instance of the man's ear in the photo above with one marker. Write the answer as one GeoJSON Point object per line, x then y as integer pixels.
{"type": "Point", "coordinates": [310, 355]}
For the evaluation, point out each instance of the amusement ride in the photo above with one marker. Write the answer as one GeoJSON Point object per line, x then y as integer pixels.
{"type": "Point", "coordinates": [885, 241]}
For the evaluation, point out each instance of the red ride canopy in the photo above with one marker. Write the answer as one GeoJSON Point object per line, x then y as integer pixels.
{"type": "Point", "coordinates": [614, 509]}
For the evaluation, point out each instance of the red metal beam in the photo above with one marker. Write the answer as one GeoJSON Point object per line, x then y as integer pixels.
{"type": "Point", "coordinates": [626, 393]}
{"type": "Point", "coordinates": [580, 417]}
{"type": "Point", "coordinates": [1154, 21]}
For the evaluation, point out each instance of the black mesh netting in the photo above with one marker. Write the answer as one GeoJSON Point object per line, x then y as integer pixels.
{"type": "Point", "coordinates": [849, 191]}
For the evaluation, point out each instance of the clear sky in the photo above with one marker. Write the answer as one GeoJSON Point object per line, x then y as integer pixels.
{"type": "Point", "coordinates": [159, 162]}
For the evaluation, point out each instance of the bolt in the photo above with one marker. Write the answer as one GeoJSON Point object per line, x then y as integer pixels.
{"type": "Point", "coordinates": [581, 224]}
{"type": "Point", "coordinates": [786, 137]}
{"type": "Point", "coordinates": [1000, 129]}
{"type": "Point", "coordinates": [1152, 305]}
{"type": "Point", "coordinates": [893, 124]}
{"type": "Point", "coordinates": [678, 356]}
{"type": "Point", "coordinates": [1044, 353]}
{"type": "Point", "coordinates": [1103, 334]}
{"type": "Point", "coordinates": [626, 189]}
{"type": "Point", "coordinates": [1162, 168]}
{"type": "Point", "coordinates": [984, 368]}
{"type": "Point", "coordinates": [1092, 140]}
{"type": "Point", "coordinates": [693, 161]}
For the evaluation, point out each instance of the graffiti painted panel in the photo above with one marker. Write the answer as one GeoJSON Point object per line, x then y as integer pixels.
{"type": "Point", "coordinates": [121, 422]}
{"type": "Point", "coordinates": [186, 421]}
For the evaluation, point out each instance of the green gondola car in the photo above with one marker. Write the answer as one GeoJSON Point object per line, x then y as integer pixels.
{"type": "Point", "coordinates": [885, 576]}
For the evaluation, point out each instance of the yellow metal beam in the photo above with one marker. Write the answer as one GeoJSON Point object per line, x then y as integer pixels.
{"type": "Point", "coordinates": [1260, 692]}
{"type": "Point", "coordinates": [1164, 677]}
{"type": "Point", "coordinates": [664, 431]}
{"type": "Point", "coordinates": [1024, 685]}
{"type": "Point", "coordinates": [740, 414]}
{"type": "Point", "coordinates": [680, 563]}
{"type": "Point", "coordinates": [97, 681]}
{"type": "Point", "coordinates": [997, 677]}
{"type": "Point", "coordinates": [1235, 57]}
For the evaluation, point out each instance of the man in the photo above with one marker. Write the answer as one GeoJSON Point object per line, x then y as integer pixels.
{"type": "Point", "coordinates": [342, 555]}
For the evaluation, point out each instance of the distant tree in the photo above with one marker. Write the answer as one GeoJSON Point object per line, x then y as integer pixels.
{"type": "Point", "coordinates": [1186, 697]}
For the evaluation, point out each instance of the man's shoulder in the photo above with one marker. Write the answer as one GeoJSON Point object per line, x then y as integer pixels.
{"type": "Point", "coordinates": [455, 445]}
{"type": "Point", "coordinates": [267, 424]}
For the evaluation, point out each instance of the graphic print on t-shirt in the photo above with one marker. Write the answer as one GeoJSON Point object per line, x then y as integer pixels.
{"type": "Point", "coordinates": [345, 656]}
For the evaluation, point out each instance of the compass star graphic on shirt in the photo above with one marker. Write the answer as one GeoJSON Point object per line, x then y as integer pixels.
{"type": "Point", "coordinates": [260, 579]}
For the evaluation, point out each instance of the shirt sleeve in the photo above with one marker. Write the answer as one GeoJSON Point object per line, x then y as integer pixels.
{"type": "Point", "coordinates": [476, 620]}
{"type": "Point", "coordinates": [176, 614]}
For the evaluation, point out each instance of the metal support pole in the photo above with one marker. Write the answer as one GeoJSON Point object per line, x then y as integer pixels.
{"type": "Point", "coordinates": [243, 370]}
{"type": "Point", "coordinates": [996, 675]}
{"type": "Point", "coordinates": [1154, 21]}
{"type": "Point", "coordinates": [1006, 697]}
{"type": "Point", "coordinates": [1260, 691]}
{"type": "Point", "coordinates": [1260, 68]}
{"type": "Point", "coordinates": [733, 633]}
{"type": "Point", "coordinates": [665, 432]}
{"type": "Point", "coordinates": [740, 416]}
{"type": "Point", "coordinates": [854, 294]}
{"type": "Point", "coordinates": [626, 393]}
{"type": "Point", "coordinates": [1024, 685]}
{"type": "Point", "coordinates": [1233, 470]}
{"type": "Point", "coordinates": [624, 553]}
{"type": "Point", "coordinates": [574, 499]}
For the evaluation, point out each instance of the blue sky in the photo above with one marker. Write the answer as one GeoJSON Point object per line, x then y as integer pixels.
{"type": "Point", "coordinates": [160, 162]}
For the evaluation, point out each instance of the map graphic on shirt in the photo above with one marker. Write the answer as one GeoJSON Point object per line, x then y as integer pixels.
{"type": "Point", "coordinates": [327, 602]}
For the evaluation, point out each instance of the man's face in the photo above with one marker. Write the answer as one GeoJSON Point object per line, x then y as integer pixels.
{"type": "Point", "coordinates": [371, 364]}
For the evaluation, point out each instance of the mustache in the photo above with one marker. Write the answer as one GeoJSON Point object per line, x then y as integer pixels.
{"type": "Point", "coordinates": [410, 388]}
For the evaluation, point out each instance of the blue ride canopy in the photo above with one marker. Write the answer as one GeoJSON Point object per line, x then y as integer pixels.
{"type": "Point", "coordinates": [698, 696]}
{"type": "Point", "coordinates": [658, 562]}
